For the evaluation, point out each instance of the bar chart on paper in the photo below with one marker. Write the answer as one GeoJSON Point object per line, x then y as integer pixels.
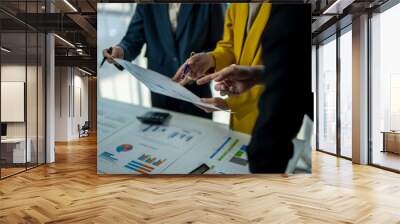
{"type": "Point", "coordinates": [229, 157]}
{"type": "Point", "coordinates": [240, 156]}
{"type": "Point", "coordinates": [224, 149]}
{"type": "Point", "coordinates": [145, 164]}
{"type": "Point", "coordinates": [139, 167]}
{"type": "Point", "coordinates": [147, 158]}
{"type": "Point", "coordinates": [168, 135]}
{"type": "Point", "coordinates": [109, 157]}
{"type": "Point", "coordinates": [109, 163]}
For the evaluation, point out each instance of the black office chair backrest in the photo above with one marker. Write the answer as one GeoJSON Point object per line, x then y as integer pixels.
{"type": "Point", "coordinates": [86, 125]}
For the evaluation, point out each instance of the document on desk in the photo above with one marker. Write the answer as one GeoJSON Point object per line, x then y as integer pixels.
{"type": "Point", "coordinates": [161, 84]}
{"type": "Point", "coordinates": [126, 146]}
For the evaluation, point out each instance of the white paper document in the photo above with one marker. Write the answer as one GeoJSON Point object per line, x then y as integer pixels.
{"type": "Point", "coordinates": [161, 84]}
{"type": "Point", "coordinates": [178, 147]}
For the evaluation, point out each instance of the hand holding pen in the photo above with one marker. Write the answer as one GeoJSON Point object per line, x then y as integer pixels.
{"type": "Point", "coordinates": [110, 54]}
{"type": "Point", "coordinates": [195, 67]}
{"type": "Point", "coordinates": [185, 78]}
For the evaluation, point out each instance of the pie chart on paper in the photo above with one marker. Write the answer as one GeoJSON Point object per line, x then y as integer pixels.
{"type": "Point", "coordinates": [124, 148]}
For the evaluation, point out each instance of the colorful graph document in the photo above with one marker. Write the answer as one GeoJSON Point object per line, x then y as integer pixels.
{"type": "Point", "coordinates": [240, 156]}
{"type": "Point", "coordinates": [162, 84]}
{"type": "Point", "coordinates": [178, 147]}
{"type": "Point", "coordinates": [134, 155]}
{"type": "Point", "coordinates": [229, 157]}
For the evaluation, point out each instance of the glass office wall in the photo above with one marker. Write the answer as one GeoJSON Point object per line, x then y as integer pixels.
{"type": "Point", "coordinates": [22, 89]}
{"type": "Point", "coordinates": [345, 92]}
{"type": "Point", "coordinates": [326, 84]}
{"type": "Point", "coordinates": [31, 100]}
{"type": "Point", "coordinates": [13, 89]}
{"type": "Point", "coordinates": [334, 94]}
{"type": "Point", "coordinates": [385, 89]}
{"type": "Point", "coordinates": [41, 99]}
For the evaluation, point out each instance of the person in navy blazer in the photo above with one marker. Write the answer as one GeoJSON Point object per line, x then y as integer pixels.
{"type": "Point", "coordinates": [199, 28]}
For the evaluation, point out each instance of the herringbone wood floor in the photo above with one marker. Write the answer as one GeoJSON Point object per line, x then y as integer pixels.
{"type": "Point", "coordinates": [70, 191]}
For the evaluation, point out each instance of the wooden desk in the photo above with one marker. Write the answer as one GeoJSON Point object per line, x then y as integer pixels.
{"type": "Point", "coordinates": [391, 141]}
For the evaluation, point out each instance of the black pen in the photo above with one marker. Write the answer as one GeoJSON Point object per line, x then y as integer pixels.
{"type": "Point", "coordinates": [109, 50]}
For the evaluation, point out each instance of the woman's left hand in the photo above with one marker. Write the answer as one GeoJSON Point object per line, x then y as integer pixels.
{"type": "Point", "coordinates": [234, 79]}
{"type": "Point", "coordinates": [217, 102]}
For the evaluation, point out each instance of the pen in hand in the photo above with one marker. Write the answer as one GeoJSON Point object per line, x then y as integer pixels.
{"type": "Point", "coordinates": [109, 51]}
{"type": "Point", "coordinates": [186, 69]}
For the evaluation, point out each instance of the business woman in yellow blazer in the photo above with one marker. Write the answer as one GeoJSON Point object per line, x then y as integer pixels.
{"type": "Point", "coordinates": [241, 45]}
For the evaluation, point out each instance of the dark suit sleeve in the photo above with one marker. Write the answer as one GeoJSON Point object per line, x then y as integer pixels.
{"type": "Point", "coordinates": [287, 96]}
{"type": "Point", "coordinates": [216, 24]}
{"type": "Point", "coordinates": [134, 38]}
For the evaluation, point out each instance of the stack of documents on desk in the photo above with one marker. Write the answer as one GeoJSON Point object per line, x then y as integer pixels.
{"type": "Point", "coordinates": [162, 84]}
{"type": "Point", "coordinates": [126, 146]}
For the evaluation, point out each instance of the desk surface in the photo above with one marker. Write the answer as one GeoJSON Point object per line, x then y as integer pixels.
{"type": "Point", "coordinates": [391, 132]}
{"type": "Point", "coordinates": [13, 140]}
{"type": "Point", "coordinates": [126, 146]}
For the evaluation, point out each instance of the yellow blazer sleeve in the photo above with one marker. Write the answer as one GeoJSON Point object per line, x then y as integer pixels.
{"type": "Point", "coordinates": [224, 51]}
{"type": "Point", "coordinates": [245, 102]}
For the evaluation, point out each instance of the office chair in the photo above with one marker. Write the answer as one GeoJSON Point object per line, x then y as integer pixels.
{"type": "Point", "coordinates": [84, 130]}
{"type": "Point", "coordinates": [301, 159]}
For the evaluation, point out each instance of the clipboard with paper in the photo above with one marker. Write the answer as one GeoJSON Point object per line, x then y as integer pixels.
{"type": "Point", "coordinates": [161, 84]}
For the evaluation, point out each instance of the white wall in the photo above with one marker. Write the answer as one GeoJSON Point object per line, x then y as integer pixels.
{"type": "Point", "coordinates": [16, 73]}
{"type": "Point", "coordinates": [80, 108]}
{"type": "Point", "coordinates": [61, 103]}
{"type": "Point", "coordinates": [69, 112]}
{"type": "Point", "coordinates": [33, 127]}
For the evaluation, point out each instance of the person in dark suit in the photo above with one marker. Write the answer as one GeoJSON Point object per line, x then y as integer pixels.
{"type": "Point", "coordinates": [286, 74]}
{"type": "Point", "coordinates": [288, 93]}
{"type": "Point", "coordinates": [171, 32]}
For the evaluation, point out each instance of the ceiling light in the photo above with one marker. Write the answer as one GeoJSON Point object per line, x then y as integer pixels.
{"type": "Point", "coordinates": [5, 50]}
{"type": "Point", "coordinates": [70, 5]}
{"type": "Point", "coordinates": [84, 71]}
{"type": "Point", "coordinates": [333, 6]}
{"type": "Point", "coordinates": [338, 6]}
{"type": "Point", "coordinates": [64, 40]}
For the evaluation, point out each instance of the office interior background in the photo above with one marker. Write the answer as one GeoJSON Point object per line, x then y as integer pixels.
{"type": "Point", "coordinates": [48, 81]}
{"type": "Point", "coordinates": [49, 85]}
{"type": "Point", "coordinates": [357, 84]}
